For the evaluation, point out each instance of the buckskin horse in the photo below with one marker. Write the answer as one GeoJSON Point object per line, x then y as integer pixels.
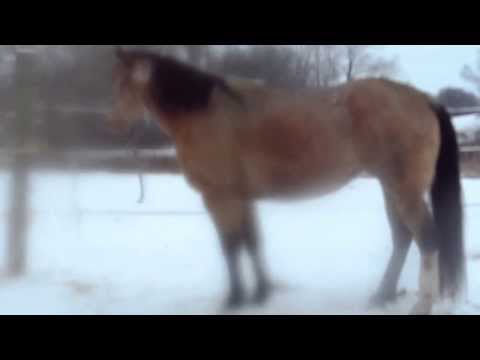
{"type": "Point", "coordinates": [238, 142]}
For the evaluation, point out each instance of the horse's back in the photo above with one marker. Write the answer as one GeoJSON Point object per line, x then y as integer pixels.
{"type": "Point", "coordinates": [324, 138]}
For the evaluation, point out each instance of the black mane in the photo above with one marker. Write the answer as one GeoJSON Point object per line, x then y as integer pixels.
{"type": "Point", "coordinates": [177, 87]}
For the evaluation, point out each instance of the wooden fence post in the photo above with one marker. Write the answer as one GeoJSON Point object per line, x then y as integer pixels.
{"type": "Point", "coordinates": [19, 214]}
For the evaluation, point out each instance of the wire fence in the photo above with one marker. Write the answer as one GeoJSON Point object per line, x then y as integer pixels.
{"type": "Point", "coordinates": [113, 161]}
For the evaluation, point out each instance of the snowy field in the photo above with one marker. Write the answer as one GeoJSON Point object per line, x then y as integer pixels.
{"type": "Point", "coordinates": [94, 250]}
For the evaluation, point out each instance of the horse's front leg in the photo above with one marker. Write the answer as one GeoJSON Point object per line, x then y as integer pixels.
{"type": "Point", "coordinates": [229, 214]}
{"type": "Point", "coordinates": [236, 224]}
{"type": "Point", "coordinates": [252, 239]}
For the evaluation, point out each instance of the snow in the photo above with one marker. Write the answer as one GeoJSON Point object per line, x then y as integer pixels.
{"type": "Point", "coordinates": [467, 123]}
{"type": "Point", "coordinates": [94, 250]}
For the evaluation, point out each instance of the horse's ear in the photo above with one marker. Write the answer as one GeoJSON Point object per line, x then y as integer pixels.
{"type": "Point", "coordinates": [142, 72]}
{"type": "Point", "coordinates": [120, 53]}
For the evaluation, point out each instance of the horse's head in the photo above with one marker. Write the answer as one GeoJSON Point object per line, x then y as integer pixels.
{"type": "Point", "coordinates": [167, 88]}
{"type": "Point", "coordinates": [131, 77]}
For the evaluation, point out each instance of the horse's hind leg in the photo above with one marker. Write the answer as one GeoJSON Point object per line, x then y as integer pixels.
{"type": "Point", "coordinates": [402, 239]}
{"type": "Point", "coordinates": [416, 214]}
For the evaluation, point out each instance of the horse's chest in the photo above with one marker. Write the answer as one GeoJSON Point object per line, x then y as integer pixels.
{"type": "Point", "coordinates": [210, 168]}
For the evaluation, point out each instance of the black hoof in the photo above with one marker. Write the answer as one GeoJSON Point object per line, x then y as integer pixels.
{"type": "Point", "coordinates": [234, 302]}
{"type": "Point", "coordinates": [381, 300]}
{"type": "Point", "coordinates": [262, 295]}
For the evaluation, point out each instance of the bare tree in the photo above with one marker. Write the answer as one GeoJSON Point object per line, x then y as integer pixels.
{"type": "Point", "coordinates": [331, 64]}
{"type": "Point", "coordinates": [276, 65]}
{"type": "Point", "coordinates": [324, 64]}
{"type": "Point", "coordinates": [360, 61]}
{"type": "Point", "coordinates": [473, 75]}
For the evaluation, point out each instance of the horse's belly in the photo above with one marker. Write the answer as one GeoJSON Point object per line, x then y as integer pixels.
{"type": "Point", "coordinates": [296, 180]}
{"type": "Point", "coordinates": [304, 191]}
{"type": "Point", "coordinates": [300, 152]}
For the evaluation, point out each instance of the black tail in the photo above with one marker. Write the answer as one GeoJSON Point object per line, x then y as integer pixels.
{"type": "Point", "coordinates": [447, 208]}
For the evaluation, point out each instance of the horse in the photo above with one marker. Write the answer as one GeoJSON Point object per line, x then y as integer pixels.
{"type": "Point", "coordinates": [239, 142]}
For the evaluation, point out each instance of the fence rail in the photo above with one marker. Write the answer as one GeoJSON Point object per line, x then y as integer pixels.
{"type": "Point", "coordinates": [28, 160]}
{"type": "Point", "coordinates": [470, 149]}
{"type": "Point", "coordinates": [458, 112]}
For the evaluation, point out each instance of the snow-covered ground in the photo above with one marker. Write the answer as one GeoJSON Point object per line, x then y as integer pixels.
{"type": "Point", "coordinates": [94, 250]}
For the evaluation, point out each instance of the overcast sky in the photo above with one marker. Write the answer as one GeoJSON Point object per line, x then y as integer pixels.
{"type": "Point", "coordinates": [432, 67]}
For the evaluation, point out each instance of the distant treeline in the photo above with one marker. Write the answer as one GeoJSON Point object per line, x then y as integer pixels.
{"type": "Point", "coordinates": [80, 77]}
